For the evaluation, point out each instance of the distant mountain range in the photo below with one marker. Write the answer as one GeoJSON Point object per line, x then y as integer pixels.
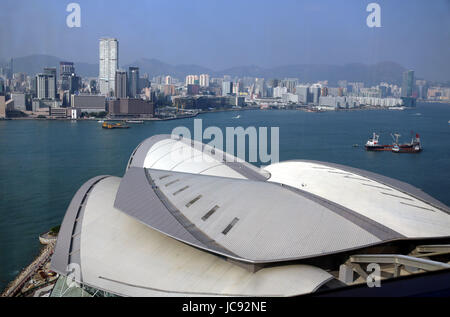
{"type": "Point", "coordinates": [370, 74]}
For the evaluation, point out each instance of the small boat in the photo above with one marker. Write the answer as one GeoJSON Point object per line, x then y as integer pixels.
{"type": "Point", "coordinates": [237, 117]}
{"type": "Point", "coordinates": [397, 108]}
{"type": "Point", "coordinates": [135, 121]}
{"type": "Point", "coordinates": [114, 125]}
{"type": "Point", "coordinates": [100, 121]}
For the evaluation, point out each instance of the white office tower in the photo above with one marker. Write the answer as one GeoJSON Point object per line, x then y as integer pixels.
{"type": "Point", "coordinates": [109, 63]}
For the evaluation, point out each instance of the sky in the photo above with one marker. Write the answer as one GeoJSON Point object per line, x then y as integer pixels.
{"type": "Point", "coordinates": [220, 34]}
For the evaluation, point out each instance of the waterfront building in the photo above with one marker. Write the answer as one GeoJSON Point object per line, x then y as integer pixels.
{"type": "Point", "coordinates": [109, 63]}
{"type": "Point", "coordinates": [279, 91]}
{"type": "Point", "coordinates": [41, 106]}
{"type": "Point", "coordinates": [19, 101]}
{"type": "Point", "coordinates": [289, 98]}
{"type": "Point", "coordinates": [51, 72]}
{"type": "Point", "coordinates": [133, 82]}
{"type": "Point", "coordinates": [2, 107]}
{"type": "Point", "coordinates": [315, 92]}
{"type": "Point", "coordinates": [408, 83]}
{"type": "Point", "coordinates": [131, 108]}
{"type": "Point", "coordinates": [206, 102]}
{"type": "Point", "coordinates": [187, 219]}
{"type": "Point", "coordinates": [121, 84]}
{"type": "Point", "coordinates": [422, 89]}
{"type": "Point", "coordinates": [227, 88]}
{"type": "Point", "coordinates": [60, 113]}
{"type": "Point", "coordinates": [88, 103]}
{"type": "Point", "coordinates": [303, 93]}
{"type": "Point", "coordinates": [45, 86]}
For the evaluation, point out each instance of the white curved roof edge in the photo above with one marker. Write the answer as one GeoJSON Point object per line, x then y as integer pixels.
{"type": "Point", "coordinates": [391, 182]}
{"type": "Point", "coordinates": [144, 149]}
{"type": "Point", "coordinates": [117, 254]}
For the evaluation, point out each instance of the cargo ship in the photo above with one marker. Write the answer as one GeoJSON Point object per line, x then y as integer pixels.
{"type": "Point", "coordinates": [373, 144]}
{"type": "Point", "coordinates": [114, 125]}
{"type": "Point", "coordinates": [413, 147]}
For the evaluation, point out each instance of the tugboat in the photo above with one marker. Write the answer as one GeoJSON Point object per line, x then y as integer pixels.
{"type": "Point", "coordinates": [114, 125]}
{"type": "Point", "coordinates": [373, 145]}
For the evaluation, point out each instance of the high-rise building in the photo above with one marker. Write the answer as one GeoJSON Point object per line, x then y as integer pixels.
{"type": "Point", "coordinates": [109, 63]}
{"type": "Point", "coordinates": [168, 80]}
{"type": "Point", "coordinates": [315, 91]}
{"type": "Point", "coordinates": [133, 82]}
{"type": "Point", "coordinates": [121, 84]}
{"type": "Point", "coordinates": [227, 88]}
{"type": "Point", "coordinates": [408, 83]}
{"type": "Point", "coordinates": [66, 70]}
{"type": "Point", "coordinates": [191, 79]}
{"type": "Point", "coordinates": [51, 72]}
{"type": "Point", "coordinates": [45, 86]}
{"type": "Point", "coordinates": [204, 80]}
{"type": "Point", "coordinates": [303, 94]}
{"type": "Point", "coordinates": [74, 83]}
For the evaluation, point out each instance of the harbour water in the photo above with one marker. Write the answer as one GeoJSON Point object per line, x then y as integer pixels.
{"type": "Point", "coordinates": [43, 163]}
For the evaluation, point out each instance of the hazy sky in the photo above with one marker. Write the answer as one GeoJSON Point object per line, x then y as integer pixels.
{"type": "Point", "coordinates": [220, 34]}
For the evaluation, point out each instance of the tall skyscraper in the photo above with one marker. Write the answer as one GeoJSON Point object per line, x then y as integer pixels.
{"type": "Point", "coordinates": [408, 83]}
{"type": "Point", "coordinates": [109, 63]}
{"type": "Point", "coordinates": [121, 88]}
{"type": "Point", "coordinates": [66, 70]}
{"type": "Point", "coordinates": [45, 86]}
{"type": "Point", "coordinates": [227, 88]}
{"type": "Point", "coordinates": [51, 72]}
{"type": "Point", "coordinates": [133, 82]}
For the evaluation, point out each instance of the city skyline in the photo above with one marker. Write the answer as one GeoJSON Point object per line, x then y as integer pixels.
{"type": "Point", "coordinates": [223, 35]}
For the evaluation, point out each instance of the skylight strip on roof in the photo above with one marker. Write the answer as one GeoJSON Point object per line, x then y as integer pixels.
{"type": "Point", "coordinates": [210, 213]}
{"type": "Point", "coordinates": [193, 201]}
{"type": "Point", "coordinates": [180, 190]}
{"type": "Point", "coordinates": [172, 182]}
{"type": "Point", "coordinates": [230, 226]}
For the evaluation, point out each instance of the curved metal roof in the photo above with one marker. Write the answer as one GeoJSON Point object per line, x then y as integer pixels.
{"type": "Point", "coordinates": [269, 215]}
{"type": "Point", "coordinates": [123, 256]}
{"type": "Point", "coordinates": [178, 193]}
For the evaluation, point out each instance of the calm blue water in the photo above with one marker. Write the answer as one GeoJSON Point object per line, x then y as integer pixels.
{"type": "Point", "coordinates": [43, 163]}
